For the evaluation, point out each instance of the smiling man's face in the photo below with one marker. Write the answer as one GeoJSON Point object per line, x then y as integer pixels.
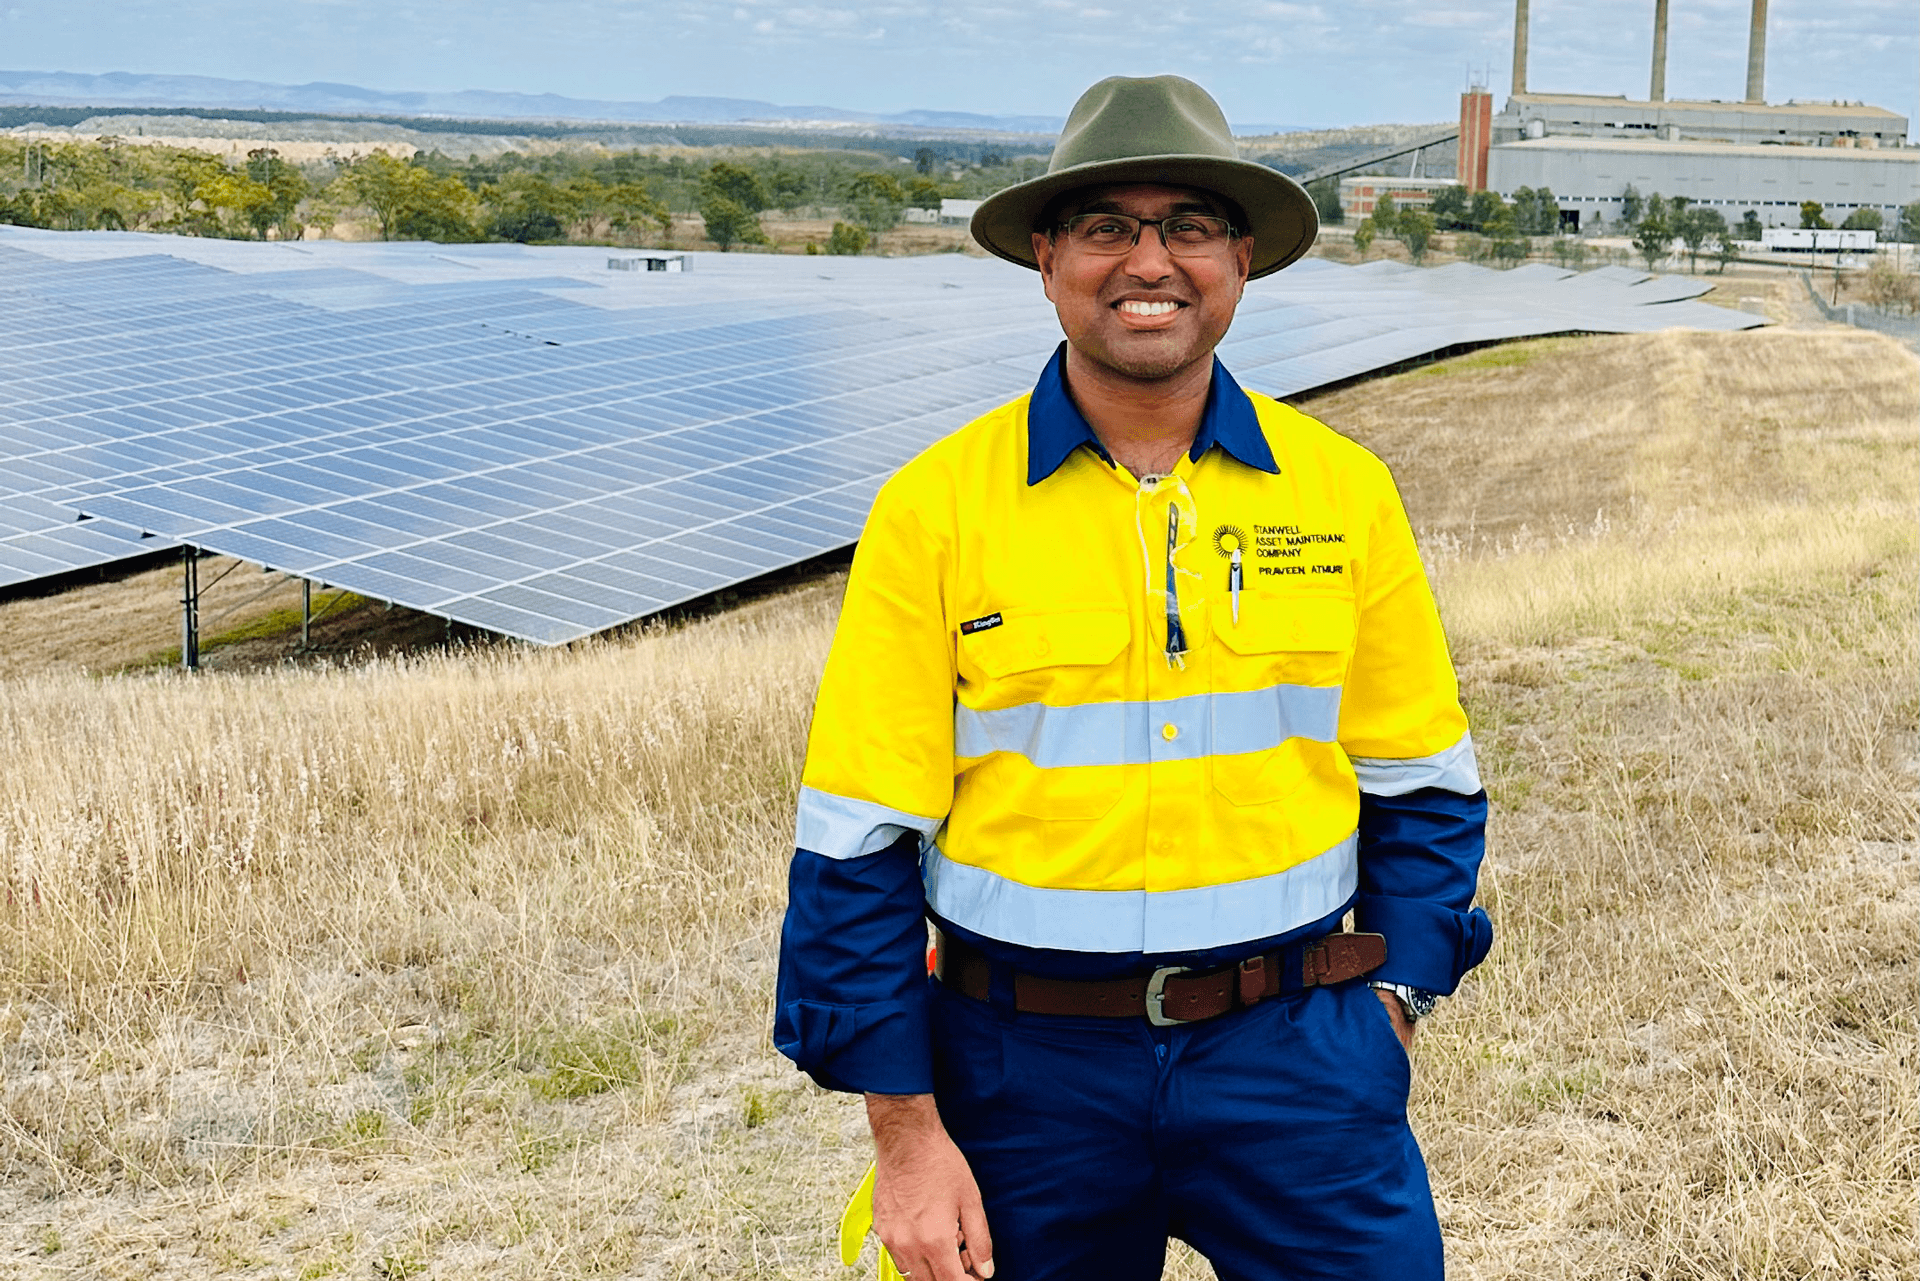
{"type": "Point", "coordinates": [1145, 314]}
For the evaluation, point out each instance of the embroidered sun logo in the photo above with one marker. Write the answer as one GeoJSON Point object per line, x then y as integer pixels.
{"type": "Point", "coordinates": [1228, 539]}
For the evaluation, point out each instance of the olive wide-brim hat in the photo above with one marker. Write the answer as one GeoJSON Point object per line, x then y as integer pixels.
{"type": "Point", "coordinates": [1160, 129]}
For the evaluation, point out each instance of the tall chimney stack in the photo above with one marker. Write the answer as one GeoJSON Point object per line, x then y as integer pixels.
{"type": "Point", "coordinates": [1520, 45]}
{"type": "Point", "coordinates": [1658, 93]}
{"type": "Point", "coordinates": [1757, 54]}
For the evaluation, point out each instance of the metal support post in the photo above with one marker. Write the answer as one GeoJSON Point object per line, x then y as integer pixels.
{"type": "Point", "coordinates": [189, 610]}
{"type": "Point", "coordinates": [306, 610]}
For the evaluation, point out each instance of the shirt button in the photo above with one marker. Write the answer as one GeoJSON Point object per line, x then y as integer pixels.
{"type": "Point", "coordinates": [1169, 731]}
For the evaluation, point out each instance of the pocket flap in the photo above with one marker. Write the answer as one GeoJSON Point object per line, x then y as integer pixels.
{"type": "Point", "coordinates": [1282, 624]}
{"type": "Point", "coordinates": [1029, 642]}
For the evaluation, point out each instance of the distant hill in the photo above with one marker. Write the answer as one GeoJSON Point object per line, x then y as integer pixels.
{"type": "Point", "coordinates": [127, 89]}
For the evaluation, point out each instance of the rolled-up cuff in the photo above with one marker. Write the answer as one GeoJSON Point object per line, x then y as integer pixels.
{"type": "Point", "coordinates": [1428, 946]}
{"type": "Point", "coordinates": [880, 1048]}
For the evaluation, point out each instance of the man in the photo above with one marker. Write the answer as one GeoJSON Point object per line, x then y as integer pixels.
{"type": "Point", "coordinates": [1137, 691]}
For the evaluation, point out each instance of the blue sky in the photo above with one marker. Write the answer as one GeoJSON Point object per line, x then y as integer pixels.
{"type": "Point", "coordinates": [1307, 62]}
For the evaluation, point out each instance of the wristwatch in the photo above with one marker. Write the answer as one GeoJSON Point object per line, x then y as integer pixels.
{"type": "Point", "coordinates": [1417, 1002]}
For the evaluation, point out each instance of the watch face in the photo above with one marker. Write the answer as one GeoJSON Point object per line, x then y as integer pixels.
{"type": "Point", "coordinates": [1419, 1004]}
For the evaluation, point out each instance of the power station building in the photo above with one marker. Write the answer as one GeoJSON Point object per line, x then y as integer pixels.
{"type": "Point", "coordinates": [1728, 156]}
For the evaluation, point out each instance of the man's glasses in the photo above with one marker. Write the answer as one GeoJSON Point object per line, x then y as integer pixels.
{"type": "Point", "coordinates": [1184, 235]}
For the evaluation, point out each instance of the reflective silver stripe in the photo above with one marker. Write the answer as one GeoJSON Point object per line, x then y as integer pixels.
{"type": "Point", "coordinates": [842, 827]}
{"type": "Point", "coordinates": [1134, 733]}
{"type": "Point", "coordinates": [1141, 920]}
{"type": "Point", "coordinates": [1454, 770]}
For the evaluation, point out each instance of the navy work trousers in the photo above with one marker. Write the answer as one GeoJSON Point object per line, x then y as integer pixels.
{"type": "Point", "coordinates": [1274, 1140]}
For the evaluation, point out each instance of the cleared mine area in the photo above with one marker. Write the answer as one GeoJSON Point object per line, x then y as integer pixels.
{"type": "Point", "coordinates": [453, 960]}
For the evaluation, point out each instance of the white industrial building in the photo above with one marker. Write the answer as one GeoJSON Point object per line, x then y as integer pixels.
{"type": "Point", "coordinates": [1813, 124]}
{"type": "Point", "coordinates": [1588, 176]}
{"type": "Point", "coordinates": [1587, 149]}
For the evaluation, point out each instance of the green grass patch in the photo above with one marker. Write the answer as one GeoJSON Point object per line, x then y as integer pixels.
{"type": "Point", "coordinates": [1550, 1089]}
{"type": "Point", "coordinates": [570, 1063]}
{"type": "Point", "coordinates": [532, 1149]}
{"type": "Point", "coordinates": [476, 1074]}
{"type": "Point", "coordinates": [1505, 356]}
{"type": "Point", "coordinates": [269, 626]}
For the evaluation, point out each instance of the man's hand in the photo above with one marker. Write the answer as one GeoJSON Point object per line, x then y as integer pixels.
{"type": "Point", "coordinates": [1402, 1025]}
{"type": "Point", "coordinates": [926, 1205]}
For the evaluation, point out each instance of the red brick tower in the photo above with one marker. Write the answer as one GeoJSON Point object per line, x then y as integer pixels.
{"type": "Point", "coordinates": [1476, 134]}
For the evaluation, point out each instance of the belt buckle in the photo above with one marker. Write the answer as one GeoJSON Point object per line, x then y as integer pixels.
{"type": "Point", "coordinates": [1156, 994]}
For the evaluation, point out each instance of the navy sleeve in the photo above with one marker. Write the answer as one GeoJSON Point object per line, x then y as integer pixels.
{"type": "Point", "coordinates": [850, 1003]}
{"type": "Point", "coordinates": [1420, 857]}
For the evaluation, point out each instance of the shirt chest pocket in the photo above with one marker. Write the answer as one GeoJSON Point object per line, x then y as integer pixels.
{"type": "Point", "coordinates": [1276, 694]}
{"type": "Point", "coordinates": [1042, 707]}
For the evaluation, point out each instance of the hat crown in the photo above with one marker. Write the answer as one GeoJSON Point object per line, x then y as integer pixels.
{"type": "Point", "coordinates": [1123, 118]}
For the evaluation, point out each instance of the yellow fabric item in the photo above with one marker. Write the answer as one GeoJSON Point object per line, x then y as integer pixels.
{"type": "Point", "coordinates": [1000, 682]}
{"type": "Point", "coordinates": [856, 1222]}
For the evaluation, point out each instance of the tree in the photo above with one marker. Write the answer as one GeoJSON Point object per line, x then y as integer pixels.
{"type": "Point", "coordinates": [1484, 211]}
{"type": "Point", "coordinates": [1812, 216]}
{"type": "Point", "coordinates": [630, 206]}
{"type": "Point", "coordinates": [1508, 248]}
{"type": "Point", "coordinates": [1452, 208]}
{"type": "Point", "coordinates": [1750, 228]}
{"type": "Point", "coordinates": [1384, 212]}
{"type": "Point", "coordinates": [846, 239]}
{"type": "Point", "coordinates": [286, 188]}
{"type": "Point", "coordinates": [1695, 227]}
{"type": "Point", "coordinates": [185, 173]}
{"type": "Point", "coordinates": [236, 201]}
{"type": "Point", "coordinates": [1415, 229]}
{"type": "Point", "coordinates": [787, 188]}
{"type": "Point", "coordinates": [528, 208]}
{"type": "Point", "coordinates": [874, 201]}
{"type": "Point", "coordinates": [1725, 251]}
{"type": "Point", "coordinates": [1863, 220]}
{"type": "Point", "coordinates": [923, 160]}
{"type": "Point", "coordinates": [1326, 201]}
{"type": "Point", "coordinates": [925, 194]}
{"type": "Point", "coordinates": [439, 208]}
{"type": "Point", "coordinates": [742, 186]}
{"type": "Point", "coordinates": [1569, 252]}
{"type": "Point", "coordinates": [1630, 206]}
{"type": "Point", "coordinates": [1909, 226]}
{"type": "Point", "coordinates": [1535, 213]}
{"type": "Point", "coordinates": [730, 223]}
{"type": "Point", "coordinates": [411, 202]}
{"type": "Point", "coordinates": [1363, 238]}
{"type": "Point", "coordinates": [1543, 215]}
{"type": "Point", "coordinates": [384, 185]}
{"type": "Point", "coordinates": [1653, 237]}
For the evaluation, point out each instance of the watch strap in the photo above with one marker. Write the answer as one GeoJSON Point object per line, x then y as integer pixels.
{"type": "Point", "coordinates": [1417, 1002]}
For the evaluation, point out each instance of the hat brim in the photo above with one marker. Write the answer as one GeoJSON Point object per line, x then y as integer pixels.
{"type": "Point", "coordinates": [1280, 215]}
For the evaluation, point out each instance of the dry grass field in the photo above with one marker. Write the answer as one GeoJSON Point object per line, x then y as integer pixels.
{"type": "Point", "coordinates": [458, 965]}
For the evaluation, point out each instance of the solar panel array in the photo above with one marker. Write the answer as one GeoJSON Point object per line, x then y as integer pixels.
{"type": "Point", "coordinates": [522, 441]}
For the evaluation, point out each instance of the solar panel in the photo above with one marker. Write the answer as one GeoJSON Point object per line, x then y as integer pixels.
{"type": "Point", "coordinates": [518, 440]}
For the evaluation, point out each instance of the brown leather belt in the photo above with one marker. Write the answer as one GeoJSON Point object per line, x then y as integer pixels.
{"type": "Point", "coordinates": [1170, 995]}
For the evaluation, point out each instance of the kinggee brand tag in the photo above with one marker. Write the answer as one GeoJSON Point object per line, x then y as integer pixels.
{"type": "Point", "coordinates": [980, 624]}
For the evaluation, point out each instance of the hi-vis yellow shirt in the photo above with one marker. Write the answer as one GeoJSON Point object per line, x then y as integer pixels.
{"type": "Point", "coordinates": [1002, 682]}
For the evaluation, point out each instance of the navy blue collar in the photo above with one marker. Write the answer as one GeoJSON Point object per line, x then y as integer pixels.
{"type": "Point", "coordinates": [1056, 427]}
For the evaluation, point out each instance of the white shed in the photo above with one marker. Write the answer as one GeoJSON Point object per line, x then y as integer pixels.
{"type": "Point", "coordinates": [954, 211]}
